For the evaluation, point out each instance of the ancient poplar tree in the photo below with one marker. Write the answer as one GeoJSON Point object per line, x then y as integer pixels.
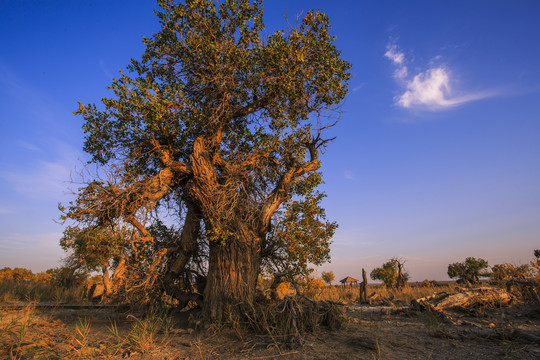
{"type": "Point", "coordinates": [221, 121]}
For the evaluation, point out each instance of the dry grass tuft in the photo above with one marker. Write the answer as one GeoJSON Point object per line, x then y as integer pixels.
{"type": "Point", "coordinates": [144, 332]}
{"type": "Point", "coordinates": [288, 320]}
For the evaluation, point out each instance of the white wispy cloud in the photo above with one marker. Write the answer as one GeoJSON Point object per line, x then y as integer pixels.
{"type": "Point", "coordinates": [28, 146]}
{"type": "Point", "coordinates": [358, 87]}
{"type": "Point", "coordinates": [394, 54]}
{"type": "Point", "coordinates": [430, 89]}
{"type": "Point", "coordinates": [398, 59]}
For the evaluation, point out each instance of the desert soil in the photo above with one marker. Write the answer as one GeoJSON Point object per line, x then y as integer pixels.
{"type": "Point", "coordinates": [370, 333]}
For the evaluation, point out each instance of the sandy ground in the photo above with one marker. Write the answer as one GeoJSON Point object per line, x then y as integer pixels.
{"type": "Point", "coordinates": [370, 333]}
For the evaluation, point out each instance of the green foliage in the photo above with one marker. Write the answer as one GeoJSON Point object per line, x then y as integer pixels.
{"type": "Point", "coordinates": [386, 274]}
{"type": "Point", "coordinates": [210, 58]}
{"type": "Point", "coordinates": [94, 246]}
{"type": "Point", "coordinates": [391, 273]}
{"type": "Point", "coordinates": [328, 277]}
{"type": "Point", "coordinates": [302, 236]}
{"type": "Point", "coordinates": [468, 271]}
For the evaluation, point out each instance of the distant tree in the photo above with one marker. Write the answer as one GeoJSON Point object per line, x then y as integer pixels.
{"type": "Point", "coordinates": [70, 275]}
{"type": "Point", "coordinates": [6, 273]}
{"type": "Point", "coordinates": [328, 277]}
{"type": "Point", "coordinates": [392, 273]}
{"type": "Point", "coordinates": [98, 248]}
{"type": "Point", "coordinates": [43, 277]}
{"type": "Point", "coordinates": [470, 271]}
{"type": "Point", "coordinates": [386, 274]}
{"type": "Point", "coordinates": [312, 286]}
{"type": "Point", "coordinates": [507, 272]}
{"type": "Point", "coordinates": [535, 264]}
{"type": "Point", "coordinates": [17, 274]}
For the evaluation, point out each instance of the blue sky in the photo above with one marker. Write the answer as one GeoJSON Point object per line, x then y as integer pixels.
{"type": "Point", "coordinates": [437, 155]}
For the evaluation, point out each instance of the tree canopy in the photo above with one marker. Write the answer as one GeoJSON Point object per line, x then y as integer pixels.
{"type": "Point", "coordinates": [328, 277]}
{"type": "Point", "coordinates": [391, 273]}
{"type": "Point", "coordinates": [221, 127]}
{"type": "Point", "coordinates": [468, 271]}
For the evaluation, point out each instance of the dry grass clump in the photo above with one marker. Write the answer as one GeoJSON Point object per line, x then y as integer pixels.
{"type": "Point", "coordinates": [145, 333]}
{"type": "Point", "coordinates": [285, 322]}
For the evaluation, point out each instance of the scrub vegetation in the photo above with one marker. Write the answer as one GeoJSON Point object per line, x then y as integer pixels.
{"type": "Point", "coordinates": [496, 318]}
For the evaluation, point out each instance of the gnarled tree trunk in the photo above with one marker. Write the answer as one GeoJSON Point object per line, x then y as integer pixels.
{"type": "Point", "coordinates": [232, 274]}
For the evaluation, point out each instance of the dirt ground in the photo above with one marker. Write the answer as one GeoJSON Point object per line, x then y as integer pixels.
{"type": "Point", "coordinates": [370, 333]}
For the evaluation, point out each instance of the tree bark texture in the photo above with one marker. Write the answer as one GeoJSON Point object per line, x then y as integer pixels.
{"type": "Point", "coordinates": [232, 275]}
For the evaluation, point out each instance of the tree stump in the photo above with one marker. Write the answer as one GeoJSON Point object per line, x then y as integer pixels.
{"type": "Point", "coordinates": [363, 287]}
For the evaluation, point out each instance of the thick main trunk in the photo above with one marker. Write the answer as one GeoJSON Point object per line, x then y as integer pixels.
{"type": "Point", "coordinates": [232, 275]}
